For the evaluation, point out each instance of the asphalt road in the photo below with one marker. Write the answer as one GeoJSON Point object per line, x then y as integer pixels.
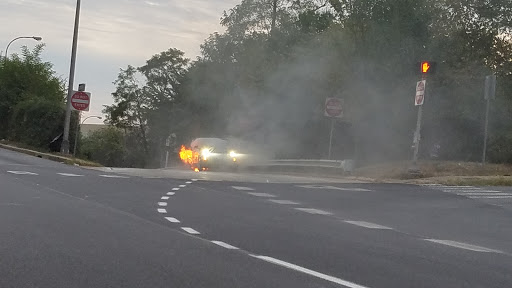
{"type": "Point", "coordinates": [65, 226]}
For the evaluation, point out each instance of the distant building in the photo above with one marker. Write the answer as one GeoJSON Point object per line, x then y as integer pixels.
{"type": "Point", "coordinates": [88, 129]}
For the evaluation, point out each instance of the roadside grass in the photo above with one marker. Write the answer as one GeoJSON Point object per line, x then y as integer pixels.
{"type": "Point", "coordinates": [41, 153]}
{"type": "Point", "coordinates": [442, 172]}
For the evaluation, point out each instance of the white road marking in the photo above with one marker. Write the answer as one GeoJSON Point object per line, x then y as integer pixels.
{"type": "Point", "coordinates": [262, 195]}
{"type": "Point", "coordinates": [314, 211]}
{"type": "Point", "coordinates": [183, 186]}
{"type": "Point", "coordinates": [484, 194]}
{"type": "Point", "coordinates": [189, 182]}
{"type": "Point", "coordinates": [163, 211]}
{"type": "Point", "coordinates": [175, 189]}
{"type": "Point", "coordinates": [463, 246]}
{"type": "Point", "coordinates": [22, 173]}
{"type": "Point", "coordinates": [490, 197]}
{"type": "Point", "coordinates": [368, 225]}
{"type": "Point", "coordinates": [194, 180]}
{"type": "Point", "coordinates": [190, 230]}
{"type": "Point", "coordinates": [242, 188]}
{"type": "Point", "coordinates": [309, 272]}
{"type": "Point", "coordinates": [333, 188]}
{"type": "Point", "coordinates": [162, 203]}
{"type": "Point", "coordinates": [284, 202]}
{"type": "Point", "coordinates": [115, 176]}
{"type": "Point", "coordinates": [70, 175]}
{"type": "Point", "coordinates": [165, 198]}
{"type": "Point", "coordinates": [172, 220]}
{"type": "Point", "coordinates": [171, 193]}
{"type": "Point", "coordinates": [225, 245]}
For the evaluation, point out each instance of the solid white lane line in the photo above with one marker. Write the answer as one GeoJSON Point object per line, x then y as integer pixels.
{"type": "Point", "coordinates": [165, 198]}
{"type": "Point", "coordinates": [327, 187]}
{"type": "Point", "coordinates": [163, 211]}
{"type": "Point", "coordinates": [175, 189]}
{"type": "Point", "coordinates": [162, 203]}
{"type": "Point", "coordinates": [490, 197]}
{"type": "Point", "coordinates": [309, 272]}
{"type": "Point", "coordinates": [171, 193]}
{"type": "Point", "coordinates": [22, 173]}
{"type": "Point", "coordinates": [190, 230]}
{"type": "Point", "coordinates": [368, 225]}
{"type": "Point", "coordinates": [188, 182]}
{"type": "Point", "coordinates": [114, 176]}
{"type": "Point", "coordinates": [463, 246]}
{"type": "Point", "coordinates": [70, 175]}
{"type": "Point", "coordinates": [183, 186]}
{"type": "Point", "coordinates": [484, 194]}
{"type": "Point", "coordinates": [314, 211]}
{"type": "Point", "coordinates": [242, 188]}
{"type": "Point", "coordinates": [225, 245]}
{"type": "Point", "coordinates": [172, 220]}
{"type": "Point", "coordinates": [262, 195]}
{"type": "Point", "coordinates": [283, 202]}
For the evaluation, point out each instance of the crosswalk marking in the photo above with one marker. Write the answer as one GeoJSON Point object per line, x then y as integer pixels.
{"type": "Point", "coordinates": [473, 192]}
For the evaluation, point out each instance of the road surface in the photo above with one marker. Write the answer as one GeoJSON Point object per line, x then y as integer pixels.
{"type": "Point", "coordinates": [65, 226]}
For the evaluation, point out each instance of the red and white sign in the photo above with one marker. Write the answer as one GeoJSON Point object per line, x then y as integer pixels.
{"type": "Point", "coordinates": [333, 108]}
{"type": "Point", "coordinates": [80, 100]}
{"type": "Point", "coordinates": [420, 93]}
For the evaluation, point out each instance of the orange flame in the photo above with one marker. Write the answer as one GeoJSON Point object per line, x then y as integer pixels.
{"type": "Point", "coordinates": [189, 156]}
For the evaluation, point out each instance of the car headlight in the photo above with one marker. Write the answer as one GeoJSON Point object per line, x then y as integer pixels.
{"type": "Point", "coordinates": [206, 153]}
{"type": "Point", "coordinates": [233, 154]}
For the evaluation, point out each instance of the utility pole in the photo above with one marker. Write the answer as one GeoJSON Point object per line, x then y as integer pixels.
{"type": "Point", "coordinates": [65, 141]}
{"type": "Point", "coordinates": [490, 93]}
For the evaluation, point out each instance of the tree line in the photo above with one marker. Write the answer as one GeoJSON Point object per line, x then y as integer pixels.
{"type": "Point", "coordinates": [266, 77]}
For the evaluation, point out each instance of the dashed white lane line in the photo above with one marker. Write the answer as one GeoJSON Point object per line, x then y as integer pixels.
{"type": "Point", "coordinates": [314, 211]}
{"type": "Point", "coordinates": [114, 176]}
{"type": "Point", "coordinates": [175, 189]}
{"type": "Point", "coordinates": [171, 193]}
{"type": "Point", "coordinates": [22, 173]}
{"type": "Point", "coordinates": [333, 188]}
{"type": "Point", "coordinates": [262, 195]}
{"type": "Point", "coordinates": [188, 182]}
{"type": "Point", "coordinates": [162, 204]}
{"type": "Point", "coordinates": [70, 175]}
{"type": "Point", "coordinates": [172, 220]}
{"type": "Point", "coordinates": [165, 198]}
{"type": "Point", "coordinates": [368, 225]}
{"type": "Point", "coordinates": [241, 188]}
{"type": "Point", "coordinates": [183, 186]}
{"type": "Point", "coordinates": [161, 210]}
{"type": "Point", "coordinates": [283, 202]}
{"type": "Point", "coordinates": [463, 246]}
{"type": "Point", "coordinates": [225, 245]}
{"type": "Point", "coordinates": [190, 230]}
{"type": "Point", "coordinates": [195, 180]}
{"type": "Point", "coordinates": [309, 272]}
{"type": "Point", "coordinates": [490, 197]}
{"type": "Point", "coordinates": [484, 194]}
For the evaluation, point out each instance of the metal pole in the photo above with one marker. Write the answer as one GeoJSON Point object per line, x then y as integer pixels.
{"type": "Point", "coordinates": [65, 140]}
{"type": "Point", "coordinates": [166, 158]}
{"type": "Point", "coordinates": [77, 132]}
{"type": "Point", "coordinates": [417, 136]}
{"type": "Point", "coordinates": [333, 120]}
{"type": "Point", "coordinates": [37, 38]}
{"type": "Point", "coordinates": [486, 130]}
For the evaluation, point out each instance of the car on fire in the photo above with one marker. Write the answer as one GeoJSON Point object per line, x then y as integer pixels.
{"type": "Point", "coordinates": [214, 153]}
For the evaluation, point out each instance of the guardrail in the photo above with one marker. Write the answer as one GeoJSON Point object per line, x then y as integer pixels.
{"type": "Point", "coordinates": [344, 165]}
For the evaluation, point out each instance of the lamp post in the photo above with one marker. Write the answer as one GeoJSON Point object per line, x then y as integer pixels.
{"type": "Point", "coordinates": [76, 133]}
{"type": "Point", "coordinates": [37, 38]}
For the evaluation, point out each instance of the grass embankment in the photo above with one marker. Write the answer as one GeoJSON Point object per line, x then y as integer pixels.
{"type": "Point", "coordinates": [38, 152]}
{"type": "Point", "coordinates": [442, 172]}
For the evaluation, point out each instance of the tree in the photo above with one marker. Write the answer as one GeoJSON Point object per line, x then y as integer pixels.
{"type": "Point", "coordinates": [105, 146]}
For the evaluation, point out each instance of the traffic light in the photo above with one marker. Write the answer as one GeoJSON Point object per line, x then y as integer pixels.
{"type": "Point", "coordinates": [425, 68]}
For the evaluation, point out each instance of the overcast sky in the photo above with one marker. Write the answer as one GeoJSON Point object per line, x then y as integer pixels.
{"type": "Point", "coordinates": [113, 34]}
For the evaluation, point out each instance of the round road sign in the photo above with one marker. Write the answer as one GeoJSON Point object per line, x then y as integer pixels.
{"type": "Point", "coordinates": [80, 101]}
{"type": "Point", "coordinates": [333, 107]}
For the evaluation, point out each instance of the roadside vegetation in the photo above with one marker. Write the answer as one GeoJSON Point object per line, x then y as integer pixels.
{"type": "Point", "coordinates": [265, 79]}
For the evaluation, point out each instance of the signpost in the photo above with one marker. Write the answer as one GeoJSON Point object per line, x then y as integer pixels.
{"type": "Point", "coordinates": [80, 100]}
{"type": "Point", "coordinates": [419, 100]}
{"type": "Point", "coordinates": [334, 110]}
{"type": "Point", "coordinates": [489, 93]}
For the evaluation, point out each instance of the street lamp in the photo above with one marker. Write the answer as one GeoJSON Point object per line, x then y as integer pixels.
{"type": "Point", "coordinates": [37, 38]}
{"type": "Point", "coordinates": [76, 133]}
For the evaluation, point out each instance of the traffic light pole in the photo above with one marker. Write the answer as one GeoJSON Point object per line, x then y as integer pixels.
{"type": "Point", "coordinates": [417, 134]}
